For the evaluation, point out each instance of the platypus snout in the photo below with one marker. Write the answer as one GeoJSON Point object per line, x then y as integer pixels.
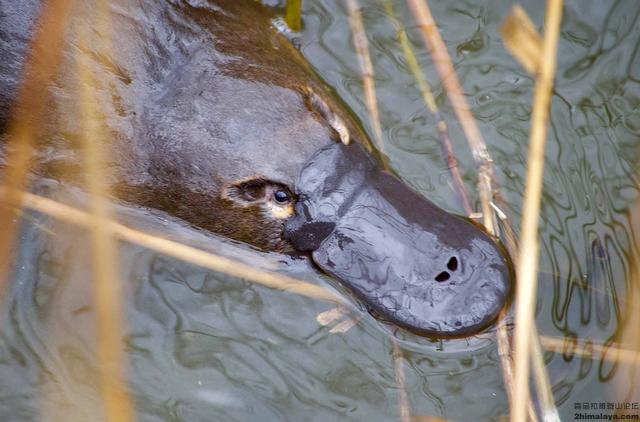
{"type": "Point", "coordinates": [412, 263]}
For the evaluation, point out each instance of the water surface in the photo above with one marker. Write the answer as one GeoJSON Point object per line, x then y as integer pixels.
{"type": "Point", "coordinates": [203, 346]}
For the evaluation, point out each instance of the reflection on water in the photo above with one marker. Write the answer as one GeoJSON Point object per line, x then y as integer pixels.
{"type": "Point", "coordinates": [203, 346]}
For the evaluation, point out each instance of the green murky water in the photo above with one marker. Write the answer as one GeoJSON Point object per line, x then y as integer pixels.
{"type": "Point", "coordinates": [205, 347]}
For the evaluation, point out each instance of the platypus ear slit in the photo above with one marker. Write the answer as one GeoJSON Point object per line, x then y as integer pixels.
{"type": "Point", "coordinates": [322, 109]}
{"type": "Point", "coordinates": [246, 192]}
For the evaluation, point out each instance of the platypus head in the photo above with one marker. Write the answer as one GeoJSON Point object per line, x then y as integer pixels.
{"type": "Point", "coordinates": [239, 136]}
{"type": "Point", "coordinates": [406, 259]}
{"type": "Point", "coordinates": [287, 182]}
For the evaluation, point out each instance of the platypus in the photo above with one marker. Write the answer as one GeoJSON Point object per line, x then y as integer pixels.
{"type": "Point", "coordinates": [213, 116]}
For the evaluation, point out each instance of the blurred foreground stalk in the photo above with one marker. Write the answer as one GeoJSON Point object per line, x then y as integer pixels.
{"type": "Point", "coordinates": [293, 15]}
{"type": "Point", "coordinates": [527, 260]}
{"type": "Point", "coordinates": [108, 286]}
{"type": "Point", "coordinates": [180, 251]}
{"type": "Point", "coordinates": [41, 64]}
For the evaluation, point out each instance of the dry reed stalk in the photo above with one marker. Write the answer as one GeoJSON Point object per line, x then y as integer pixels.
{"type": "Point", "coordinates": [177, 250]}
{"type": "Point", "coordinates": [364, 59]}
{"type": "Point", "coordinates": [482, 158]}
{"type": "Point", "coordinates": [429, 100]}
{"type": "Point", "coordinates": [509, 237]}
{"type": "Point", "coordinates": [108, 287]}
{"type": "Point", "coordinates": [345, 325]}
{"type": "Point", "coordinates": [543, 386]}
{"type": "Point", "coordinates": [39, 69]}
{"type": "Point", "coordinates": [525, 44]}
{"type": "Point", "coordinates": [620, 354]}
{"type": "Point", "coordinates": [504, 351]}
{"type": "Point", "coordinates": [450, 82]}
{"type": "Point", "coordinates": [522, 39]}
{"type": "Point", "coordinates": [339, 318]}
{"type": "Point", "coordinates": [527, 262]}
{"type": "Point", "coordinates": [629, 334]}
{"type": "Point", "coordinates": [292, 15]}
{"type": "Point", "coordinates": [506, 363]}
{"type": "Point", "coordinates": [401, 382]}
{"type": "Point", "coordinates": [547, 404]}
{"type": "Point", "coordinates": [331, 316]}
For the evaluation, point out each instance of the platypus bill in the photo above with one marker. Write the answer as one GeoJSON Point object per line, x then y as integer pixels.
{"type": "Point", "coordinates": [214, 117]}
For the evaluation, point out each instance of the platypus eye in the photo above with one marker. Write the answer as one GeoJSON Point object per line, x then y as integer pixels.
{"type": "Point", "coordinates": [282, 196]}
{"type": "Point", "coordinates": [277, 196]}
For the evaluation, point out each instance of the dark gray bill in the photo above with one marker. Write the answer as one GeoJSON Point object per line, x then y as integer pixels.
{"type": "Point", "coordinates": [409, 261]}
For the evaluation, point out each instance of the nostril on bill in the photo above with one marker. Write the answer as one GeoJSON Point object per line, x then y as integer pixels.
{"type": "Point", "coordinates": [443, 276]}
{"type": "Point", "coordinates": [453, 263]}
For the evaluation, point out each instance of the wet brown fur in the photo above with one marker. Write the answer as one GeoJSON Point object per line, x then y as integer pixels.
{"type": "Point", "coordinates": [195, 97]}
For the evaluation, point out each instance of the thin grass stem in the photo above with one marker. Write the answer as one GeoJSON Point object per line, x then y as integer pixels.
{"type": "Point", "coordinates": [401, 382]}
{"type": "Point", "coordinates": [445, 69]}
{"type": "Point", "coordinates": [108, 293]}
{"type": "Point", "coordinates": [430, 102]}
{"type": "Point", "coordinates": [292, 16]}
{"type": "Point", "coordinates": [180, 251]}
{"type": "Point", "coordinates": [549, 412]}
{"type": "Point", "coordinates": [41, 64]}
{"type": "Point", "coordinates": [506, 363]}
{"type": "Point", "coordinates": [608, 351]}
{"type": "Point", "coordinates": [364, 59]}
{"type": "Point", "coordinates": [527, 262]}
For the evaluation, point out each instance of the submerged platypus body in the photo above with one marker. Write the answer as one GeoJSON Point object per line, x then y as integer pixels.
{"type": "Point", "coordinates": [211, 115]}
